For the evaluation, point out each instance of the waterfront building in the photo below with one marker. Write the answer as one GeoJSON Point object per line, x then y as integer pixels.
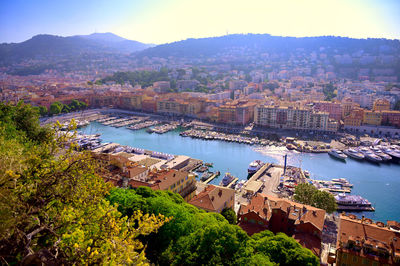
{"type": "Point", "coordinates": [354, 118]}
{"type": "Point", "coordinates": [372, 118]}
{"type": "Point", "coordinates": [214, 199]}
{"type": "Point", "coordinates": [391, 118]}
{"type": "Point", "coordinates": [237, 112]}
{"type": "Point", "coordinates": [334, 109]}
{"type": "Point", "coordinates": [348, 105]}
{"type": "Point", "coordinates": [226, 114]}
{"type": "Point", "coordinates": [304, 223]}
{"type": "Point", "coordinates": [149, 104]}
{"type": "Point", "coordinates": [381, 105]}
{"type": "Point", "coordinates": [181, 182]}
{"type": "Point", "coordinates": [364, 242]}
{"type": "Point", "coordinates": [169, 106]}
{"type": "Point", "coordinates": [290, 118]}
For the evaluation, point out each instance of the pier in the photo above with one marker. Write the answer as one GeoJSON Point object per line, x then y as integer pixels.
{"type": "Point", "coordinates": [211, 178]}
{"type": "Point", "coordinates": [233, 182]}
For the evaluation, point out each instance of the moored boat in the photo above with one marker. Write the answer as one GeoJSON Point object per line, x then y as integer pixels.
{"type": "Point", "coordinates": [392, 153]}
{"type": "Point", "coordinates": [254, 166]}
{"type": "Point", "coordinates": [370, 156]}
{"type": "Point", "coordinates": [337, 154]}
{"type": "Point", "coordinates": [352, 203]}
{"type": "Point", "coordinates": [354, 154]}
{"type": "Point", "coordinates": [226, 180]}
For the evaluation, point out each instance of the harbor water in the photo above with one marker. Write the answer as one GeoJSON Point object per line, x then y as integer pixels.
{"type": "Point", "coordinates": [379, 183]}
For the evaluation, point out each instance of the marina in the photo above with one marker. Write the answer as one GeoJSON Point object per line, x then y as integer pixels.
{"type": "Point", "coordinates": [370, 180]}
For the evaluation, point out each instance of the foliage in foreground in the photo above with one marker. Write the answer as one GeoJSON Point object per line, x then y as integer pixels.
{"type": "Point", "coordinates": [53, 206]}
{"type": "Point", "coordinates": [310, 195]}
{"type": "Point", "coordinates": [194, 237]}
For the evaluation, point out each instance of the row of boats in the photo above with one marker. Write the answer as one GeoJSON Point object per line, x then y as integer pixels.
{"type": "Point", "coordinates": [375, 154]}
{"type": "Point", "coordinates": [163, 128]}
{"type": "Point", "coordinates": [213, 135]}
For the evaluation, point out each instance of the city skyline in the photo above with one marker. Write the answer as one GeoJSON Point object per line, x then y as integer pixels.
{"type": "Point", "coordinates": [168, 21]}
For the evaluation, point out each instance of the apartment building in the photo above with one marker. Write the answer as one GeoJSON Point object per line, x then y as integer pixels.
{"type": "Point", "coordinates": [364, 242]}
{"type": "Point", "coordinates": [334, 109]}
{"type": "Point", "coordinates": [354, 118]}
{"type": "Point", "coordinates": [290, 118]}
{"type": "Point", "coordinates": [372, 118]}
{"type": "Point", "coordinates": [381, 105]}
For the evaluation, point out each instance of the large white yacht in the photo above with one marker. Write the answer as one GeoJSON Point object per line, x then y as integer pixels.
{"type": "Point", "coordinates": [354, 154]}
{"type": "Point", "coordinates": [337, 154]}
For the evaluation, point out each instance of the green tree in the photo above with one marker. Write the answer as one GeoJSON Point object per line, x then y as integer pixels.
{"type": "Point", "coordinates": [195, 237]}
{"type": "Point", "coordinates": [43, 110]}
{"type": "Point", "coordinates": [52, 205]}
{"type": "Point", "coordinates": [65, 109]}
{"type": "Point", "coordinates": [74, 105]}
{"type": "Point", "coordinates": [56, 108]}
{"type": "Point", "coordinates": [82, 106]}
{"type": "Point", "coordinates": [310, 195]}
{"type": "Point", "coordinates": [324, 200]}
{"type": "Point", "coordinates": [282, 249]}
{"type": "Point", "coordinates": [229, 215]}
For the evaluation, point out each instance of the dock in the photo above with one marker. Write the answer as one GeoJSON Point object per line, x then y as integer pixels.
{"type": "Point", "coordinates": [211, 178]}
{"type": "Point", "coordinates": [233, 182]}
{"type": "Point", "coordinates": [336, 190]}
{"type": "Point", "coordinates": [325, 182]}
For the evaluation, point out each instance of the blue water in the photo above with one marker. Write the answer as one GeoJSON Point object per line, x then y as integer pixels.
{"type": "Point", "coordinates": [380, 184]}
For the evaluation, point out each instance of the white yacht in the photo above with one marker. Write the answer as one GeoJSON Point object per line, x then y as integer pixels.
{"type": "Point", "coordinates": [254, 166]}
{"type": "Point", "coordinates": [354, 154]}
{"type": "Point", "coordinates": [369, 155]}
{"type": "Point", "coordinates": [338, 154]}
{"type": "Point", "coordinates": [392, 153]}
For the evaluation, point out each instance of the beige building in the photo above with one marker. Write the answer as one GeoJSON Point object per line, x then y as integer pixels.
{"type": "Point", "coordinates": [290, 118]}
{"type": "Point", "coordinates": [214, 199]}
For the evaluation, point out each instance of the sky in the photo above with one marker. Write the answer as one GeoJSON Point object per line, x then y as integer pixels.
{"type": "Point", "coordinates": [164, 21]}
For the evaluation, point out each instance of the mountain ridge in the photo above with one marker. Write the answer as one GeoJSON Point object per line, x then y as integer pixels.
{"type": "Point", "coordinates": [47, 45]}
{"type": "Point", "coordinates": [211, 46]}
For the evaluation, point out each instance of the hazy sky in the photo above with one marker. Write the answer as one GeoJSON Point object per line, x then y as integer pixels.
{"type": "Point", "coordinates": [161, 21]}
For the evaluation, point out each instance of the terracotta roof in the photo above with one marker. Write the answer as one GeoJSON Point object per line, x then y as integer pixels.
{"type": "Point", "coordinates": [136, 170]}
{"type": "Point", "coordinates": [263, 205]}
{"type": "Point", "coordinates": [365, 232]}
{"type": "Point", "coordinates": [311, 242]}
{"type": "Point", "coordinates": [213, 198]}
{"type": "Point", "coordinates": [165, 178]}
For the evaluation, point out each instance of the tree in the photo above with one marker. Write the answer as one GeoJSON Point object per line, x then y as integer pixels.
{"type": "Point", "coordinates": [65, 109]}
{"type": "Point", "coordinates": [52, 205]}
{"type": "Point", "coordinates": [324, 200]}
{"type": "Point", "coordinates": [194, 237]}
{"type": "Point", "coordinates": [282, 249]}
{"type": "Point", "coordinates": [82, 106]}
{"type": "Point", "coordinates": [74, 105]}
{"type": "Point", "coordinates": [310, 195]}
{"type": "Point", "coordinates": [229, 215]}
{"type": "Point", "coordinates": [56, 108]}
{"type": "Point", "coordinates": [43, 110]}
